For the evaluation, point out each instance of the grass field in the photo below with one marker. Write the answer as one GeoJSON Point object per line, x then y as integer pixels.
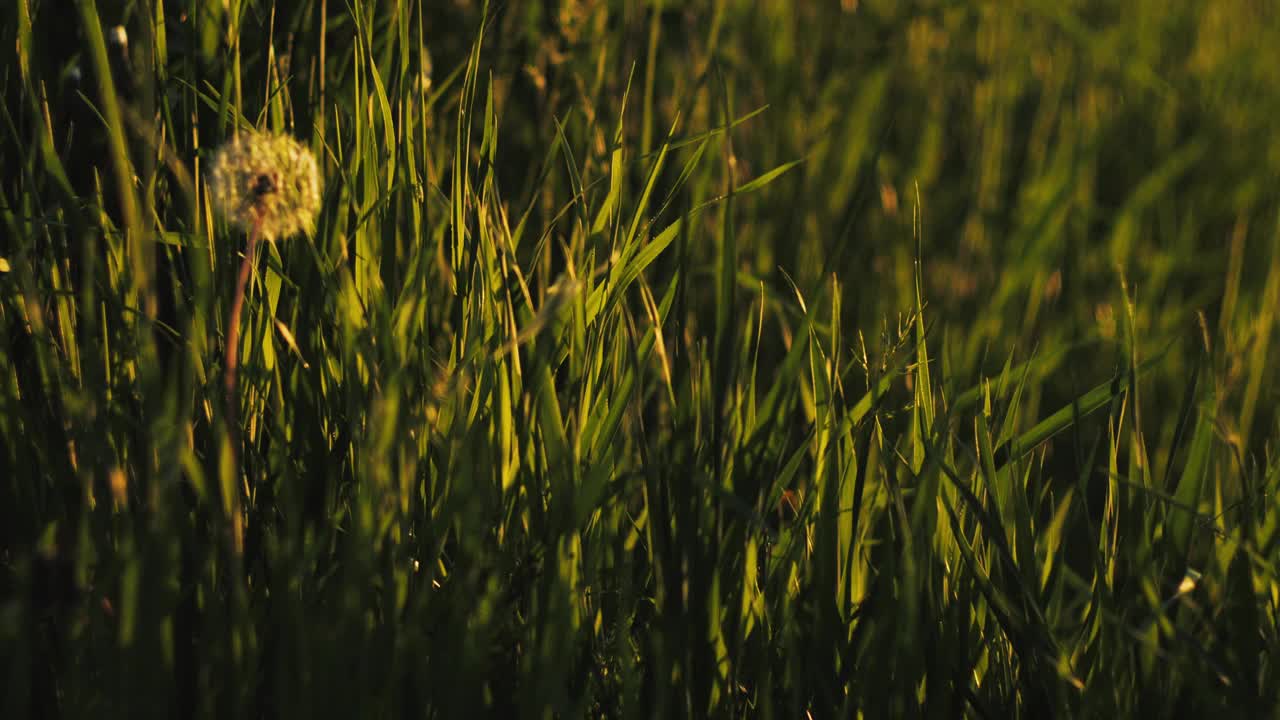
{"type": "Point", "coordinates": [647, 359]}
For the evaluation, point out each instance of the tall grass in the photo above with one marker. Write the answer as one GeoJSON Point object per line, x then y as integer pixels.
{"type": "Point", "coordinates": [758, 359]}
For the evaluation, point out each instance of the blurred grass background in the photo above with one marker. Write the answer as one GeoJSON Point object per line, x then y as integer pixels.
{"type": "Point", "coordinates": [649, 360]}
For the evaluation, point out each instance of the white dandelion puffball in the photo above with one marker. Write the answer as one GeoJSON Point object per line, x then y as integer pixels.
{"type": "Point", "coordinates": [267, 182]}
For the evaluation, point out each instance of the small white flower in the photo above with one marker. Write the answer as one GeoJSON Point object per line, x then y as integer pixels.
{"type": "Point", "coordinates": [270, 183]}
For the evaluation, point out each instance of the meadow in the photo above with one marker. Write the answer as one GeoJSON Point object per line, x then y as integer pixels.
{"type": "Point", "coordinates": [852, 358]}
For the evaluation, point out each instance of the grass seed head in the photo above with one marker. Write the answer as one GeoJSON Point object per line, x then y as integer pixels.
{"type": "Point", "coordinates": [266, 180]}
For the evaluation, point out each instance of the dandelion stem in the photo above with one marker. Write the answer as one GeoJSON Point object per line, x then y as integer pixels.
{"type": "Point", "coordinates": [233, 337]}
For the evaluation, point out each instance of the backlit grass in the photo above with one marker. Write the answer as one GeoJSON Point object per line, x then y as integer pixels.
{"type": "Point", "coordinates": [855, 358]}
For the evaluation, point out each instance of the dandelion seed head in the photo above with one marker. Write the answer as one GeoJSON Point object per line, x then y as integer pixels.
{"type": "Point", "coordinates": [266, 180]}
